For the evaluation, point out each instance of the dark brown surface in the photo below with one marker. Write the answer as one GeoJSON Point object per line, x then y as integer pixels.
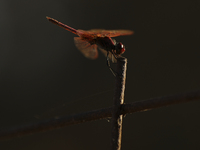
{"type": "Point", "coordinates": [41, 69]}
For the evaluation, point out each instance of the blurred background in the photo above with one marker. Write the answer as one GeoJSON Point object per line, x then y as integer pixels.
{"type": "Point", "coordinates": [43, 75]}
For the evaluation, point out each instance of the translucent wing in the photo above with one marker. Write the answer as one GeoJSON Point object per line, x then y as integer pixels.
{"type": "Point", "coordinates": [105, 33]}
{"type": "Point", "coordinates": [110, 55]}
{"type": "Point", "coordinates": [88, 50]}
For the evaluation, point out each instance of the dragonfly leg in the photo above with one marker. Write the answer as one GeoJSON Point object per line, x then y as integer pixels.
{"type": "Point", "coordinates": [114, 54]}
{"type": "Point", "coordinates": [108, 64]}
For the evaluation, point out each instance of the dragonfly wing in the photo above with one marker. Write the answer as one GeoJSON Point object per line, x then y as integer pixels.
{"type": "Point", "coordinates": [110, 33]}
{"type": "Point", "coordinates": [88, 50]}
{"type": "Point", "coordinates": [110, 55]}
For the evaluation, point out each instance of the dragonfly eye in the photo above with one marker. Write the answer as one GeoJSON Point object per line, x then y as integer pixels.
{"type": "Point", "coordinates": [120, 49]}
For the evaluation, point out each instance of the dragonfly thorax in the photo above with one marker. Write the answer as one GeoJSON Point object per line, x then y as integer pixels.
{"type": "Point", "coordinates": [110, 44]}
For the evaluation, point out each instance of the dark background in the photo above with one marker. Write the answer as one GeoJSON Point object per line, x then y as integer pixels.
{"type": "Point", "coordinates": [43, 75]}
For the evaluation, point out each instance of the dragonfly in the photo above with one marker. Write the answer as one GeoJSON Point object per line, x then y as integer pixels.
{"type": "Point", "coordinates": [90, 40]}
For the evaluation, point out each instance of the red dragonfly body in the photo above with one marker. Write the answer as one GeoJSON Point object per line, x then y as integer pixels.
{"type": "Point", "coordinates": [88, 41]}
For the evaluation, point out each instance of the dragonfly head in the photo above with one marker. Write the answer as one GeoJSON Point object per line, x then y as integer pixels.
{"type": "Point", "coordinates": [120, 49]}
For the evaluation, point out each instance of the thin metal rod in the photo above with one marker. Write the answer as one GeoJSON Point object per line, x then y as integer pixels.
{"type": "Point", "coordinates": [117, 117]}
{"type": "Point", "coordinates": [137, 106]}
{"type": "Point", "coordinates": [158, 102]}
